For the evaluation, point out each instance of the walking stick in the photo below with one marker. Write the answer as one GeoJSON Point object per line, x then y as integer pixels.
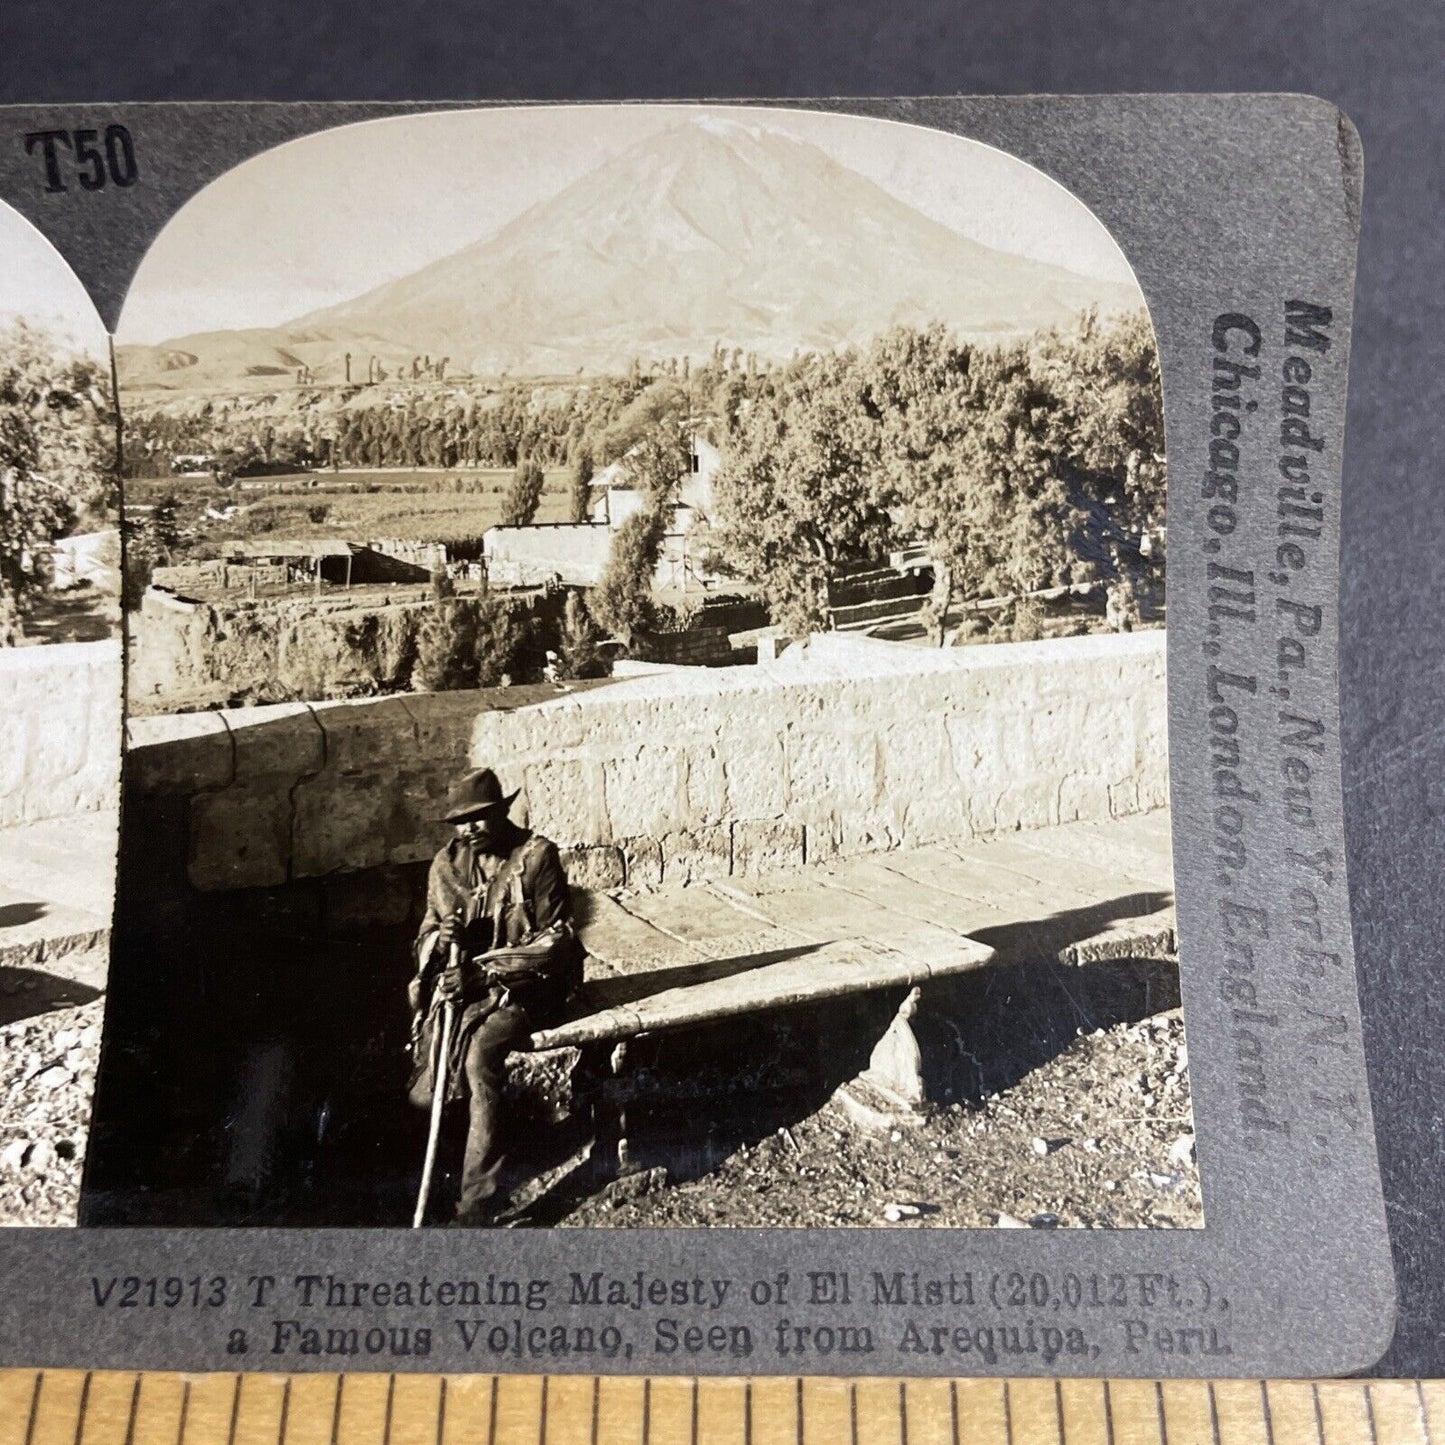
{"type": "Point", "coordinates": [439, 1083]}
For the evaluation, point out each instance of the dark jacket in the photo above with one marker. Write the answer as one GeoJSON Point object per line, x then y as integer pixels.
{"type": "Point", "coordinates": [505, 899]}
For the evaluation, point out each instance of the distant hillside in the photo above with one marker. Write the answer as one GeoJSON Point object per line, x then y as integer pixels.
{"type": "Point", "coordinates": [712, 232]}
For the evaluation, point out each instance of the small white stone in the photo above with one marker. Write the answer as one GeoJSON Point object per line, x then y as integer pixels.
{"type": "Point", "coordinates": [1007, 1221]}
{"type": "Point", "coordinates": [42, 1156]}
{"type": "Point", "coordinates": [1039, 1146]}
{"type": "Point", "coordinates": [1181, 1151]}
{"type": "Point", "coordinates": [12, 1156]}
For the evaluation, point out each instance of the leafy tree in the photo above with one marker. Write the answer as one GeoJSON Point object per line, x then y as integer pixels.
{"type": "Point", "coordinates": [580, 483]}
{"type": "Point", "coordinates": [138, 562]}
{"type": "Point", "coordinates": [657, 463]}
{"type": "Point", "coordinates": [797, 491]}
{"type": "Point", "coordinates": [578, 654]}
{"type": "Point", "coordinates": [163, 528]}
{"type": "Point", "coordinates": [57, 461]}
{"type": "Point", "coordinates": [500, 638]}
{"type": "Point", "coordinates": [1109, 432]}
{"type": "Point", "coordinates": [970, 451]}
{"type": "Point", "coordinates": [446, 642]}
{"type": "Point", "coordinates": [622, 600]}
{"type": "Point", "coordinates": [525, 495]}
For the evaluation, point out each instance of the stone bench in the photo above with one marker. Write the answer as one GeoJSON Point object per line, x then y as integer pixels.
{"type": "Point", "coordinates": [614, 1009]}
{"type": "Point", "coordinates": [677, 957]}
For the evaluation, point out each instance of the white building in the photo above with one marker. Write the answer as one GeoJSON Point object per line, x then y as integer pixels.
{"type": "Point", "coordinates": [577, 553]}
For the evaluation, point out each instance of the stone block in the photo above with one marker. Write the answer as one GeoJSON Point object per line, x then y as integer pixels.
{"type": "Point", "coordinates": [821, 840]}
{"type": "Point", "coordinates": [185, 753]}
{"type": "Point", "coordinates": [240, 838]}
{"type": "Point", "coordinates": [765, 845]}
{"type": "Point", "coordinates": [341, 824]}
{"type": "Point", "coordinates": [503, 728]}
{"type": "Point", "coordinates": [1153, 789]}
{"type": "Point", "coordinates": [415, 827]}
{"type": "Point", "coordinates": [642, 859]}
{"type": "Point", "coordinates": [564, 800]}
{"type": "Point", "coordinates": [56, 746]}
{"type": "Point", "coordinates": [922, 791]}
{"type": "Point", "coordinates": [755, 766]}
{"type": "Point", "coordinates": [281, 741]}
{"type": "Point", "coordinates": [595, 869]}
{"type": "Point", "coordinates": [377, 735]}
{"type": "Point", "coordinates": [867, 833]}
{"type": "Point", "coordinates": [691, 855]}
{"type": "Point", "coordinates": [1031, 803]}
{"type": "Point", "coordinates": [1084, 797]}
{"type": "Point", "coordinates": [443, 722]}
{"type": "Point", "coordinates": [645, 791]}
{"type": "Point", "coordinates": [706, 785]}
{"type": "Point", "coordinates": [832, 772]}
{"type": "Point", "coordinates": [354, 903]}
{"type": "Point", "coordinates": [1124, 798]}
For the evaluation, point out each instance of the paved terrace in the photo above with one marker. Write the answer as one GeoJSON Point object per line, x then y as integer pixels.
{"type": "Point", "coordinates": [57, 886]}
{"type": "Point", "coordinates": [1083, 892]}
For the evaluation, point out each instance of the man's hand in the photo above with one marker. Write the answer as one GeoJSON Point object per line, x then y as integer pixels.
{"type": "Point", "coordinates": [450, 985]}
{"type": "Point", "coordinates": [449, 930]}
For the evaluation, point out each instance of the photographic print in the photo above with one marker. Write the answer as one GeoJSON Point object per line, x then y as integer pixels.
{"type": "Point", "coordinates": [645, 690]}
{"type": "Point", "coordinates": [648, 732]}
{"type": "Point", "coordinates": [60, 684]}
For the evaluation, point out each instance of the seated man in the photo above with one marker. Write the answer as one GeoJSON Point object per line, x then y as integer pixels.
{"type": "Point", "coordinates": [497, 944]}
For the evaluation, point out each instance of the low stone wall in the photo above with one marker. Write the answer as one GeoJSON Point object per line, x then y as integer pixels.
{"type": "Point", "coordinates": [842, 746]}
{"type": "Point", "coordinates": [62, 709]}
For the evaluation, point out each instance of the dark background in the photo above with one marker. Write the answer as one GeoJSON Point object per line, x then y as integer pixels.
{"type": "Point", "coordinates": [1381, 60]}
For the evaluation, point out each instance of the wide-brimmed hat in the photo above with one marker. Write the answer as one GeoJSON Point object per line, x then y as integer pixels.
{"type": "Point", "coordinates": [476, 793]}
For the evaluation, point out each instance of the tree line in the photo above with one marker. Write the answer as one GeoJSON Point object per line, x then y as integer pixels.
{"type": "Point", "coordinates": [455, 426]}
{"type": "Point", "coordinates": [1019, 466]}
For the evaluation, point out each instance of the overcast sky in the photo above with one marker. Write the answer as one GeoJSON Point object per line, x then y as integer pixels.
{"type": "Point", "coordinates": [37, 286]}
{"type": "Point", "coordinates": [325, 218]}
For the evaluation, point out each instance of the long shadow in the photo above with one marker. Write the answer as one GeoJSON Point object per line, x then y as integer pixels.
{"type": "Point", "coordinates": [994, 1028]}
{"type": "Point", "coordinates": [17, 915]}
{"type": "Point", "coordinates": [27, 992]}
{"type": "Point", "coordinates": [612, 991]}
{"type": "Point", "coordinates": [1048, 937]}
{"type": "Point", "coordinates": [980, 1033]}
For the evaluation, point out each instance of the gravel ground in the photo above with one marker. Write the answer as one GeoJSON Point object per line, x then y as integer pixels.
{"type": "Point", "coordinates": [1100, 1136]}
{"type": "Point", "coordinates": [47, 1077]}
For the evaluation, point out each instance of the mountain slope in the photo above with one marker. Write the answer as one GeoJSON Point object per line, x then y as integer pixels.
{"type": "Point", "coordinates": [711, 232]}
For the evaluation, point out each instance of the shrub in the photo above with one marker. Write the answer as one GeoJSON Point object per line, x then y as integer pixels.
{"type": "Point", "coordinates": [445, 642]}
{"type": "Point", "coordinates": [578, 655]}
{"type": "Point", "coordinates": [622, 600]}
{"type": "Point", "coordinates": [524, 496]}
{"type": "Point", "coordinates": [500, 639]}
{"type": "Point", "coordinates": [580, 484]}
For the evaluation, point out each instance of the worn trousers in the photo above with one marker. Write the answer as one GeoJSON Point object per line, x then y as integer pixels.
{"type": "Point", "coordinates": [484, 1065]}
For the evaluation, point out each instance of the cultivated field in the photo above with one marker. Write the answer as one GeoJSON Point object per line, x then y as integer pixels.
{"type": "Point", "coordinates": [413, 505]}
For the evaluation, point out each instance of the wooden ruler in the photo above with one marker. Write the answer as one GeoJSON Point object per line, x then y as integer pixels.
{"type": "Point", "coordinates": [65, 1407]}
